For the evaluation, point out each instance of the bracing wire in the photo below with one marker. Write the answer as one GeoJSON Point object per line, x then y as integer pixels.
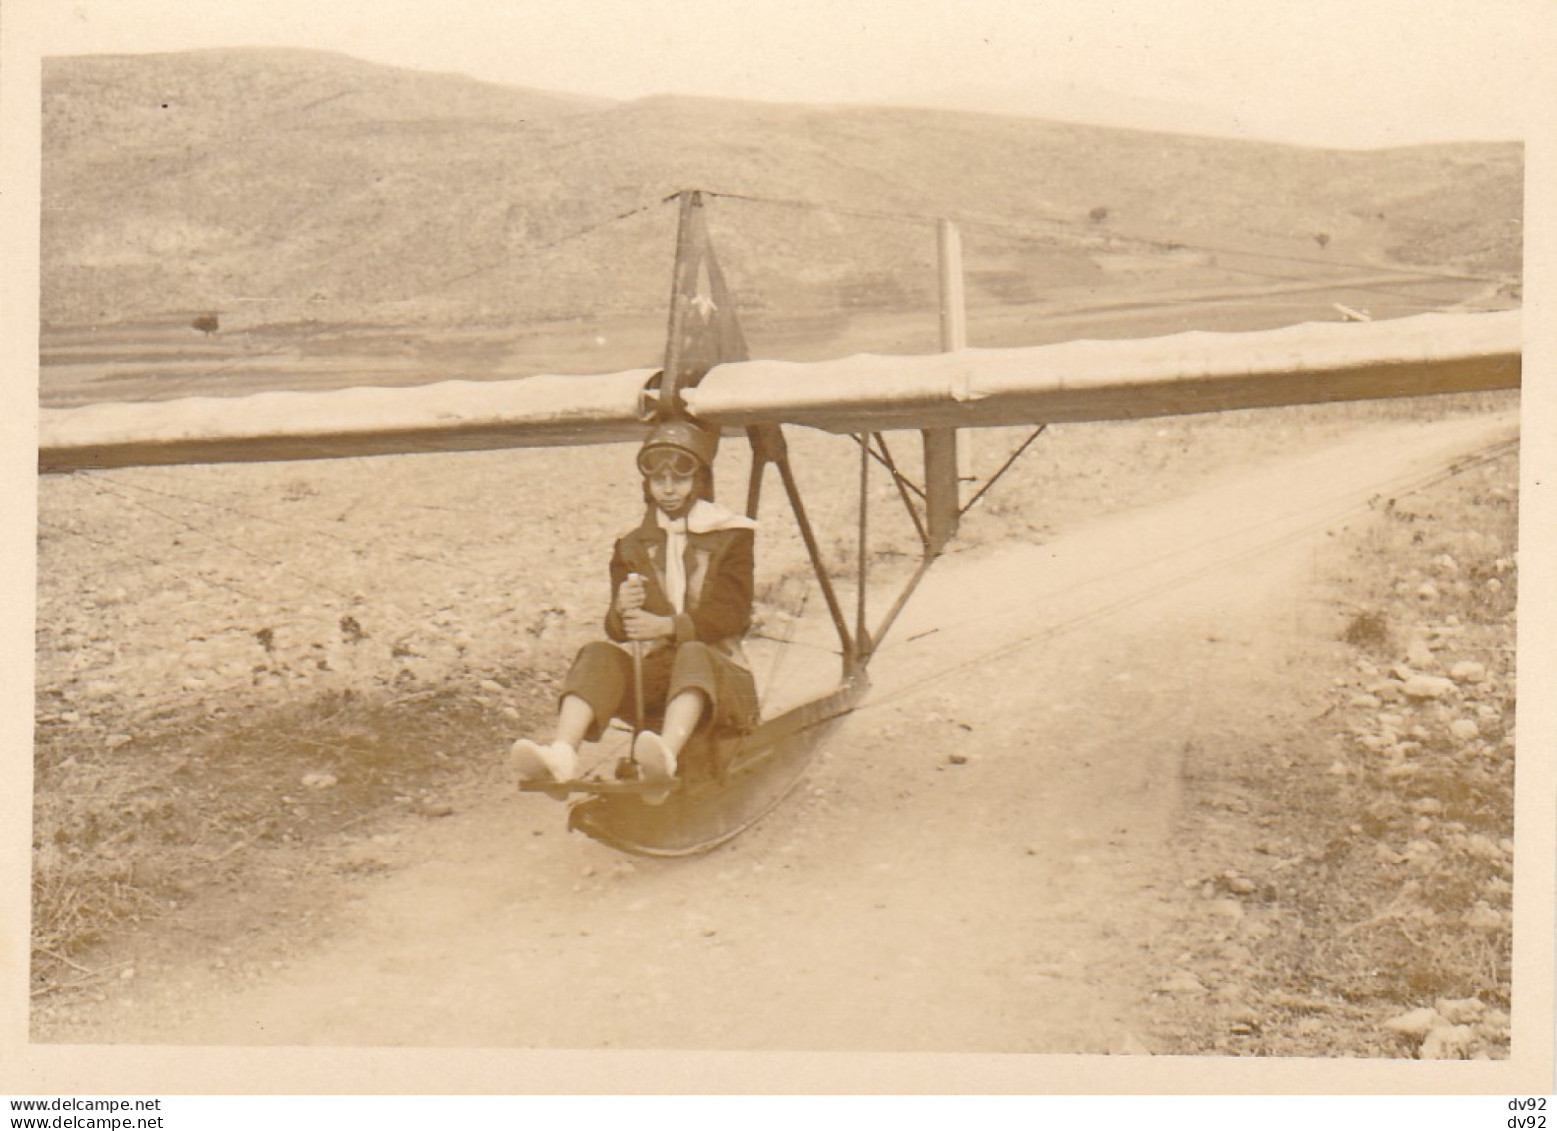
{"type": "Point", "coordinates": [1407, 485]}
{"type": "Point", "coordinates": [507, 260]}
{"type": "Point", "coordinates": [292, 342]}
{"type": "Point", "coordinates": [786, 642]}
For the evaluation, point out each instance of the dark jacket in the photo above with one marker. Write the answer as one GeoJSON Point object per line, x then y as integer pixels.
{"type": "Point", "coordinates": [719, 569]}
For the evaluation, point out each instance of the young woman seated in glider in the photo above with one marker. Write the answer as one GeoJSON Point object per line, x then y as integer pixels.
{"type": "Point", "coordinates": [681, 585]}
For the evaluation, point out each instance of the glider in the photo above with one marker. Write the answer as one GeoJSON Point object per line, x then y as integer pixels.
{"type": "Point", "coordinates": [731, 780]}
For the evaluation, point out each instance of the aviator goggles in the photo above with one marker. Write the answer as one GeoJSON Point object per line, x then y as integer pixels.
{"type": "Point", "coordinates": [654, 461]}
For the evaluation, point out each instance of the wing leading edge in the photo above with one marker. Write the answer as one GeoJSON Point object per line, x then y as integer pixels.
{"type": "Point", "coordinates": [1126, 379]}
{"type": "Point", "coordinates": [1071, 381]}
{"type": "Point", "coordinates": [450, 416]}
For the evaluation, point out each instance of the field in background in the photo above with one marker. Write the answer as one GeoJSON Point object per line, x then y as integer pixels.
{"type": "Point", "coordinates": [169, 358]}
{"type": "Point", "coordinates": [300, 207]}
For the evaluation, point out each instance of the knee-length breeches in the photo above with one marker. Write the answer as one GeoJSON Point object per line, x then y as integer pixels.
{"type": "Point", "coordinates": [602, 676]}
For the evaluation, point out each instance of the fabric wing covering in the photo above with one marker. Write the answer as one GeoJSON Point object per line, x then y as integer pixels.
{"type": "Point", "coordinates": [1071, 381]}
{"type": "Point", "coordinates": [448, 416]}
{"type": "Point", "coordinates": [1125, 379]}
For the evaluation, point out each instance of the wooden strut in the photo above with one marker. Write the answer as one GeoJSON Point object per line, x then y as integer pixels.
{"type": "Point", "coordinates": [732, 780]}
{"type": "Point", "coordinates": [861, 633]}
{"type": "Point", "coordinates": [903, 484]}
{"type": "Point", "coordinates": [931, 550]}
{"type": "Point", "coordinates": [851, 654]}
{"type": "Point", "coordinates": [944, 467]}
{"type": "Point", "coordinates": [768, 446]}
{"type": "Point", "coordinates": [736, 778]}
{"type": "Point", "coordinates": [941, 486]}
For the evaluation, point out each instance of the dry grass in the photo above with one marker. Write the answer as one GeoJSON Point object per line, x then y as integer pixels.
{"type": "Point", "coordinates": [124, 835]}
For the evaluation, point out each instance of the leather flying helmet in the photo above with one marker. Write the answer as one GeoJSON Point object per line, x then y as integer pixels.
{"type": "Point", "coordinates": [679, 444]}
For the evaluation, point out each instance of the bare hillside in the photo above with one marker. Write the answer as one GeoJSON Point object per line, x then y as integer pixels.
{"type": "Point", "coordinates": [279, 185]}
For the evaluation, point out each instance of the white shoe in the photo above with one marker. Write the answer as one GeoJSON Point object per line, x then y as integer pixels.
{"type": "Point", "coordinates": [656, 764]}
{"type": "Point", "coordinates": [558, 762]}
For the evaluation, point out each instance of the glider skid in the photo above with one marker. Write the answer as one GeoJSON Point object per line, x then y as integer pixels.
{"type": "Point", "coordinates": [726, 785]}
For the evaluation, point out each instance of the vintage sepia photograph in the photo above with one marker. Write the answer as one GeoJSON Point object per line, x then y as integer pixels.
{"type": "Point", "coordinates": [982, 528]}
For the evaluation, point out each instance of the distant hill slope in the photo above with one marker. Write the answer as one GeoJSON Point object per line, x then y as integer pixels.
{"type": "Point", "coordinates": [277, 184]}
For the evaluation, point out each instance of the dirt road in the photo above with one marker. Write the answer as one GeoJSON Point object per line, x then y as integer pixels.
{"type": "Point", "coordinates": [901, 899]}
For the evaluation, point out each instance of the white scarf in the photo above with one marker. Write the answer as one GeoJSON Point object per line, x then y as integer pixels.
{"type": "Point", "coordinates": [704, 518]}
